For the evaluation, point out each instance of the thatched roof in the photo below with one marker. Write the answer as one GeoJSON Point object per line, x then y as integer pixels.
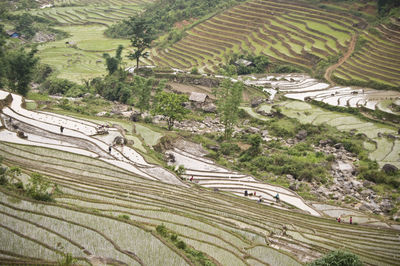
{"type": "Point", "coordinates": [198, 97]}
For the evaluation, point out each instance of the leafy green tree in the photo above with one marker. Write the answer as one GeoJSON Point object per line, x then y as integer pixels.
{"type": "Point", "coordinates": [2, 54]}
{"type": "Point", "coordinates": [113, 63]}
{"type": "Point", "coordinates": [141, 40]}
{"type": "Point", "coordinates": [143, 87]}
{"type": "Point", "coordinates": [20, 67]}
{"type": "Point", "coordinates": [337, 258]}
{"type": "Point", "coordinates": [171, 106]}
{"type": "Point", "coordinates": [229, 97]}
{"type": "Point", "coordinates": [26, 25]}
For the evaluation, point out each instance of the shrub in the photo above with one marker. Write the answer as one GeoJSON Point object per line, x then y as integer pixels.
{"type": "Point", "coordinates": [124, 216]}
{"type": "Point", "coordinates": [229, 148]}
{"type": "Point", "coordinates": [38, 186]}
{"type": "Point", "coordinates": [180, 244]}
{"type": "Point", "coordinates": [194, 71]}
{"type": "Point", "coordinates": [337, 258]}
{"type": "Point", "coordinates": [162, 230]}
{"type": "Point", "coordinates": [148, 120]}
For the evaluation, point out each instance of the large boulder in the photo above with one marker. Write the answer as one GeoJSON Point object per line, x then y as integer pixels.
{"type": "Point", "coordinates": [209, 108]}
{"type": "Point", "coordinates": [135, 116]}
{"type": "Point", "coordinates": [256, 102]}
{"type": "Point", "coordinates": [389, 168]}
{"type": "Point", "coordinates": [301, 135]}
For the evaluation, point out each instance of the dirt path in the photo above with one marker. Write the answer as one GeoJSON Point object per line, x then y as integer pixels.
{"type": "Point", "coordinates": [332, 68]}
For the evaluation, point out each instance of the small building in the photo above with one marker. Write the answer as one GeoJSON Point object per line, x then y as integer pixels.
{"type": "Point", "coordinates": [198, 97]}
{"type": "Point", "coordinates": [243, 62]}
{"type": "Point", "coordinates": [13, 34]}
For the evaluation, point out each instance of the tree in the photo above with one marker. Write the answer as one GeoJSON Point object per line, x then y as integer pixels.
{"type": "Point", "coordinates": [337, 258]}
{"type": "Point", "coordinates": [229, 97]}
{"type": "Point", "coordinates": [143, 87]}
{"type": "Point", "coordinates": [141, 39]}
{"type": "Point", "coordinates": [20, 67]}
{"type": "Point", "coordinates": [171, 106]}
{"type": "Point", "coordinates": [112, 63]}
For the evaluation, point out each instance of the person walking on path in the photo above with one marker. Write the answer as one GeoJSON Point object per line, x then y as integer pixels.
{"type": "Point", "coordinates": [191, 179]}
{"type": "Point", "coordinates": [109, 149]}
{"type": "Point", "coordinates": [61, 129]}
{"type": "Point", "coordinates": [351, 220]}
{"type": "Point", "coordinates": [277, 197]}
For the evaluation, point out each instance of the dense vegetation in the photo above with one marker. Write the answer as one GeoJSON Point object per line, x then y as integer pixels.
{"type": "Point", "coordinates": [163, 14]}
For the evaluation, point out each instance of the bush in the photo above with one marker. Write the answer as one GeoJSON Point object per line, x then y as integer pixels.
{"type": "Point", "coordinates": [180, 244]}
{"type": "Point", "coordinates": [229, 148]}
{"type": "Point", "coordinates": [194, 71]}
{"type": "Point", "coordinates": [162, 230]}
{"type": "Point", "coordinates": [337, 258]}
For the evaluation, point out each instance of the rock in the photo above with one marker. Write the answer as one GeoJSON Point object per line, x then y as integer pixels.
{"type": "Point", "coordinates": [367, 183]}
{"type": "Point", "coordinates": [356, 184]}
{"type": "Point", "coordinates": [366, 207]}
{"type": "Point", "coordinates": [386, 206]}
{"type": "Point", "coordinates": [294, 186]}
{"type": "Point", "coordinates": [301, 135]}
{"type": "Point", "coordinates": [290, 141]}
{"type": "Point", "coordinates": [389, 168]}
{"type": "Point", "coordinates": [119, 140]}
{"type": "Point", "coordinates": [135, 116]}
{"type": "Point", "coordinates": [367, 193]}
{"type": "Point", "coordinates": [170, 157]}
{"type": "Point", "coordinates": [325, 142]}
{"type": "Point", "coordinates": [256, 102]}
{"type": "Point", "coordinates": [21, 134]}
{"type": "Point", "coordinates": [338, 146]}
{"type": "Point", "coordinates": [252, 130]}
{"type": "Point", "coordinates": [209, 108]}
{"type": "Point", "coordinates": [264, 133]}
{"type": "Point", "coordinates": [101, 113]}
{"type": "Point", "coordinates": [290, 177]}
{"type": "Point", "coordinates": [213, 147]}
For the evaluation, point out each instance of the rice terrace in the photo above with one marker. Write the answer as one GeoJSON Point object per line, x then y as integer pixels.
{"type": "Point", "coordinates": [200, 132]}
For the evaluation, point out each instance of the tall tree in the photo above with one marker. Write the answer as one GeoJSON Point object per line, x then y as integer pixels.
{"type": "Point", "coordinates": [143, 87]}
{"type": "Point", "coordinates": [229, 97]}
{"type": "Point", "coordinates": [171, 106]}
{"type": "Point", "coordinates": [2, 54]}
{"type": "Point", "coordinates": [141, 39]}
{"type": "Point", "coordinates": [20, 67]}
{"type": "Point", "coordinates": [113, 63]}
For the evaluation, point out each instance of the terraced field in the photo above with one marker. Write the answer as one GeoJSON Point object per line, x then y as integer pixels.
{"type": "Point", "coordinates": [384, 150]}
{"type": "Point", "coordinates": [303, 87]}
{"type": "Point", "coordinates": [83, 59]}
{"type": "Point", "coordinates": [377, 61]}
{"type": "Point", "coordinates": [79, 57]}
{"type": "Point", "coordinates": [83, 12]}
{"type": "Point", "coordinates": [108, 213]}
{"type": "Point", "coordinates": [285, 30]}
